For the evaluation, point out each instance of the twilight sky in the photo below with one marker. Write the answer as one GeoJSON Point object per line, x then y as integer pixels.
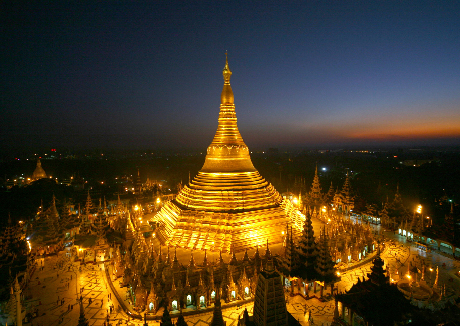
{"type": "Point", "coordinates": [317, 74]}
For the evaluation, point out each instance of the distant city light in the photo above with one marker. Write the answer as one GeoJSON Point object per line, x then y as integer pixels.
{"type": "Point", "coordinates": [324, 169]}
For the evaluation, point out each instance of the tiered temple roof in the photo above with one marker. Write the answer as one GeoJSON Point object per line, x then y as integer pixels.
{"type": "Point", "coordinates": [375, 300]}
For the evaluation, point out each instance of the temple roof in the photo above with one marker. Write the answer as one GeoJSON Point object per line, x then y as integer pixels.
{"type": "Point", "coordinates": [375, 299]}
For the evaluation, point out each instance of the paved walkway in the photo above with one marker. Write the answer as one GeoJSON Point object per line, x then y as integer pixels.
{"type": "Point", "coordinates": [58, 282]}
{"type": "Point", "coordinates": [55, 287]}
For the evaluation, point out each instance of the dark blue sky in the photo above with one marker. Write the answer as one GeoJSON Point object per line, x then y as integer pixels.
{"type": "Point", "coordinates": [148, 74]}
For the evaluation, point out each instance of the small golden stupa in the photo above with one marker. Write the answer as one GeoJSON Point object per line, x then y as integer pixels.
{"type": "Point", "coordinates": [39, 173]}
{"type": "Point", "coordinates": [228, 206]}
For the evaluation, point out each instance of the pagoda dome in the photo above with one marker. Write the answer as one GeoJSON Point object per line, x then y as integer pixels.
{"type": "Point", "coordinates": [39, 173]}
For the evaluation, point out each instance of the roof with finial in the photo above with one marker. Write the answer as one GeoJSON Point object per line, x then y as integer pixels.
{"type": "Point", "coordinates": [233, 261]}
{"type": "Point", "coordinates": [268, 254]}
{"type": "Point", "coordinates": [221, 260]}
{"type": "Point", "coordinates": [346, 189]}
{"type": "Point", "coordinates": [256, 254]}
{"type": "Point", "coordinates": [246, 256]}
{"type": "Point", "coordinates": [377, 276]}
{"type": "Point", "coordinates": [168, 257]}
{"type": "Point", "coordinates": [315, 187]}
{"type": "Point", "coordinates": [375, 299]}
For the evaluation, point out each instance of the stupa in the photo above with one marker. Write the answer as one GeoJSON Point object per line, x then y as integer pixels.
{"type": "Point", "coordinates": [39, 173]}
{"type": "Point", "coordinates": [228, 206]}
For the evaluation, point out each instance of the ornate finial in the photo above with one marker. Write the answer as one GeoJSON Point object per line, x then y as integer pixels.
{"type": "Point", "coordinates": [226, 72]}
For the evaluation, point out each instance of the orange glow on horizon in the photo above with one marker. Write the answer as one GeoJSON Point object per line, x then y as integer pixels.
{"type": "Point", "coordinates": [430, 126]}
{"type": "Point", "coordinates": [414, 132]}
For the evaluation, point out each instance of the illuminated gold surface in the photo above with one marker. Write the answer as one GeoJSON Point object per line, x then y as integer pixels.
{"type": "Point", "coordinates": [228, 205]}
{"type": "Point", "coordinates": [39, 173]}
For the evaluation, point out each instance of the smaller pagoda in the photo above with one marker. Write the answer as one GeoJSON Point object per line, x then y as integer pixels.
{"type": "Point", "coordinates": [39, 173]}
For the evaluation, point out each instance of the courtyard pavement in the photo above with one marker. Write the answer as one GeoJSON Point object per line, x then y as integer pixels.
{"type": "Point", "coordinates": [58, 282]}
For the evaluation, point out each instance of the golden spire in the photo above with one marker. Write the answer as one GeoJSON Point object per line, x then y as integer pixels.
{"type": "Point", "coordinates": [226, 98]}
{"type": "Point", "coordinates": [227, 152]}
{"type": "Point", "coordinates": [226, 72]}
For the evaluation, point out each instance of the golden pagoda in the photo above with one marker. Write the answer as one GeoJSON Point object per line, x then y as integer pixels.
{"type": "Point", "coordinates": [39, 173]}
{"type": "Point", "coordinates": [228, 206]}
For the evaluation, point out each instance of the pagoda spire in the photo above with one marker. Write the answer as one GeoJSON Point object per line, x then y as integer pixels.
{"type": "Point", "coordinates": [227, 145]}
{"type": "Point", "coordinates": [233, 261]}
{"type": "Point", "coordinates": [307, 251]}
{"type": "Point", "coordinates": [315, 187]}
{"type": "Point", "coordinates": [217, 318]}
{"type": "Point", "coordinates": [324, 263]}
{"type": "Point", "coordinates": [175, 264]}
{"type": "Point", "coordinates": [226, 72]}
{"type": "Point", "coordinates": [246, 256]}
{"type": "Point", "coordinates": [192, 261]}
{"type": "Point", "coordinates": [88, 205]}
{"type": "Point", "coordinates": [168, 258]}
{"type": "Point", "coordinates": [289, 259]}
{"type": "Point", "coordinates": [205, 259]}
